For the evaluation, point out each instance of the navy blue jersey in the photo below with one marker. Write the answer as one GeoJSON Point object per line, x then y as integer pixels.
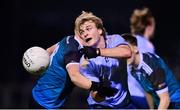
{"type": "Point", "coordinates": [54, 86]}
{"type": "Point", "coordinates": [155, 77]}
{"type": "Point", "coordinates": [136, 91]}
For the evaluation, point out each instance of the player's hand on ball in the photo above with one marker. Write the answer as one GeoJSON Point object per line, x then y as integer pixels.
{"type": "Point", "coordinates": [96, 96]}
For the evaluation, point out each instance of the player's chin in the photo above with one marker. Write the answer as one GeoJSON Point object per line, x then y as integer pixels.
{"type": "Point", "coordinates": [96, 97]}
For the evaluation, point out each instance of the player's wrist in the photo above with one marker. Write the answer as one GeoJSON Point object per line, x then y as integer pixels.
{"type": "Point", "coordinates": [98, 51]}
{"type": "Point", "coordinates": [94, 86]}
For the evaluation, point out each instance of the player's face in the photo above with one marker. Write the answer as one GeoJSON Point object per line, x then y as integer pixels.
{"type": "Point", "coordinates": [151, 28]}
{"type": "Point", "coordinates": [90, 34]}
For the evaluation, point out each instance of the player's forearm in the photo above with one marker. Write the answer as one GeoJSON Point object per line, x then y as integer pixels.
{"type": "Point", "coordinates": [78, 79]}
{"type": "Point", "coordinates": [81, 81]}
{"type": "Point", "coordinates": [163, 104]}
{"type": "Point", "coordinates": [122, 51]}
{"type": "Point", "coordinates": [164, 101]}
{"type": "Point", "coordinates": [149, 100]}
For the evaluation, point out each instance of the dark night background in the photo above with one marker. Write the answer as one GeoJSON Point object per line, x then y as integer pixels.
{"type": "Point", "coordinates": [27, 23]}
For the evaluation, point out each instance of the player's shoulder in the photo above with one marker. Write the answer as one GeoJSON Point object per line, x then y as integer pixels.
{"type": "Point", "coordinates": [114, 38]}
{"type": "Point", "coordinates": [151, 58]}
{"type": "Point", "coordinates": [70, 40]}
{"type": "Point", "coordinates": [141, 40]}
{"type": "Point", "coordinates": [151, 55]}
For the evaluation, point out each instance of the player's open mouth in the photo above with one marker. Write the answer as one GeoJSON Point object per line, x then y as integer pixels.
{"type": "Point", "coordinates": [88, 39]}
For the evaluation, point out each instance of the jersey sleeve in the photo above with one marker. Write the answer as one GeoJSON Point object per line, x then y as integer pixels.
{"type": "Point", "coordinates": [157, 78]}
{"type": "Point", "coordinates": [117, 40]}
{"type": "Point", "coordinates": [72, 56]}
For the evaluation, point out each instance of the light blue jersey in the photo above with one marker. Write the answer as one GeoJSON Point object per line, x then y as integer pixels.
{"type": "Point", "coordinates": [144, 45]}
{"type": "Point", "coordinates": [113, 69]}
{"type": "Point", "coordinates": [54, 86]}
{"type": "Point", "coordinates": [156, 78]}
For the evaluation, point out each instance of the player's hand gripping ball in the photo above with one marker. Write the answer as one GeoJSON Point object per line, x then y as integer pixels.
{"type": "Point", "coordinates": [36, 60]}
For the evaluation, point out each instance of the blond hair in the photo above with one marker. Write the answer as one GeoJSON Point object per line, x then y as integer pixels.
{"type": "Point", "coordinates": [88, 16]}
{"type": "Point", "coordinates": [140, 19]}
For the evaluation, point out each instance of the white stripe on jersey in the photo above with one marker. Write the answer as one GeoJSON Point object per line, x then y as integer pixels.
{"type": "Point", "coordinates": [162, 90]}
{"type": "Point", "coordinates": [54, 52]}
{"type": "Point", "coordinates": [144, 66]}
{"type": "Point", "coordinates": [71, 63]}
{"type": "Point", "coordinates": [147, 68]}
{"type": "Point", "coordinates": [67, 39]}
{"type": "Point", "coordinates": [80, 45]}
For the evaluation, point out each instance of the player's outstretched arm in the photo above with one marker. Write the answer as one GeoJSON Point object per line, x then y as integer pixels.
{"type": "Point", "coordinates": [71, 61]}
{"type": "Point", "coordinates": [81, 81]}
{"type": "Point", "coordinates": [72, 65]}
{"type": "Point", "coordinates": [77, 78]}
{"type": "Point", "coordinates": [122, 51]}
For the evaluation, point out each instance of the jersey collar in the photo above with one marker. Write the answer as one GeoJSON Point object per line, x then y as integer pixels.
{"type": "Point", "coordinates": [141, 61]}
{"type": "Point", "coordinates": [80, 45]}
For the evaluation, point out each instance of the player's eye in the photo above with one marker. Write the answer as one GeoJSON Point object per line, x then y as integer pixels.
{"type": "Point", "coordinates": [81, 32]}
{"type": "Point", "coordinates": [89, 28]}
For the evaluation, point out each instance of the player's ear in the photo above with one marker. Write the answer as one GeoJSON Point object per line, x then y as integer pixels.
{"type": "Point", "coordinates": [100, 31]}
{"type": "Point", "coordinates": [136, 49]}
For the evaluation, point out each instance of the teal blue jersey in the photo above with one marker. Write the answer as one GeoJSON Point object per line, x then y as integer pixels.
{"type": "Point", "coordinates": [54, 86]}
{"type": "Point", "coordinates": [156, 77]}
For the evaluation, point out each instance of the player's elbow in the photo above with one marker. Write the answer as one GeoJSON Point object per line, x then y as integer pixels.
{"type": "Point", "coordinates": [127, 52]}
{"type": "Point", "coordinates": [74, 77]}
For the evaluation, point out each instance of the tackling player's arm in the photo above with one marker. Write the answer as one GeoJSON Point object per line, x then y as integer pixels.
{"type": "Point", "coordinates": [158, 81]}
{"type": "Point", "coordinates": [72, 65]}
{"type": "Point", "coordinates": [78, 79]}
{"type": "Point", "coordinates": [51, 49]}
{"type": "Point", "coordinates": [71, 61]}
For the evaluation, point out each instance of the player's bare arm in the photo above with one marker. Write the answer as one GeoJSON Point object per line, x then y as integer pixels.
{"type": "Point", "coordinates": [51, 49]}
{"type": "Point", "coordinates": [164, 100]}
{"type": "Point", "coordinates": [149, 100]}
{"type": "Point", "coordinates": [77, 78]}
{"type": "Point", "coordinates": [122, 51]}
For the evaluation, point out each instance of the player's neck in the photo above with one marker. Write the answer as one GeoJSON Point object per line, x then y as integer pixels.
{"type": "Point", "coordinates": [101, 43]}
